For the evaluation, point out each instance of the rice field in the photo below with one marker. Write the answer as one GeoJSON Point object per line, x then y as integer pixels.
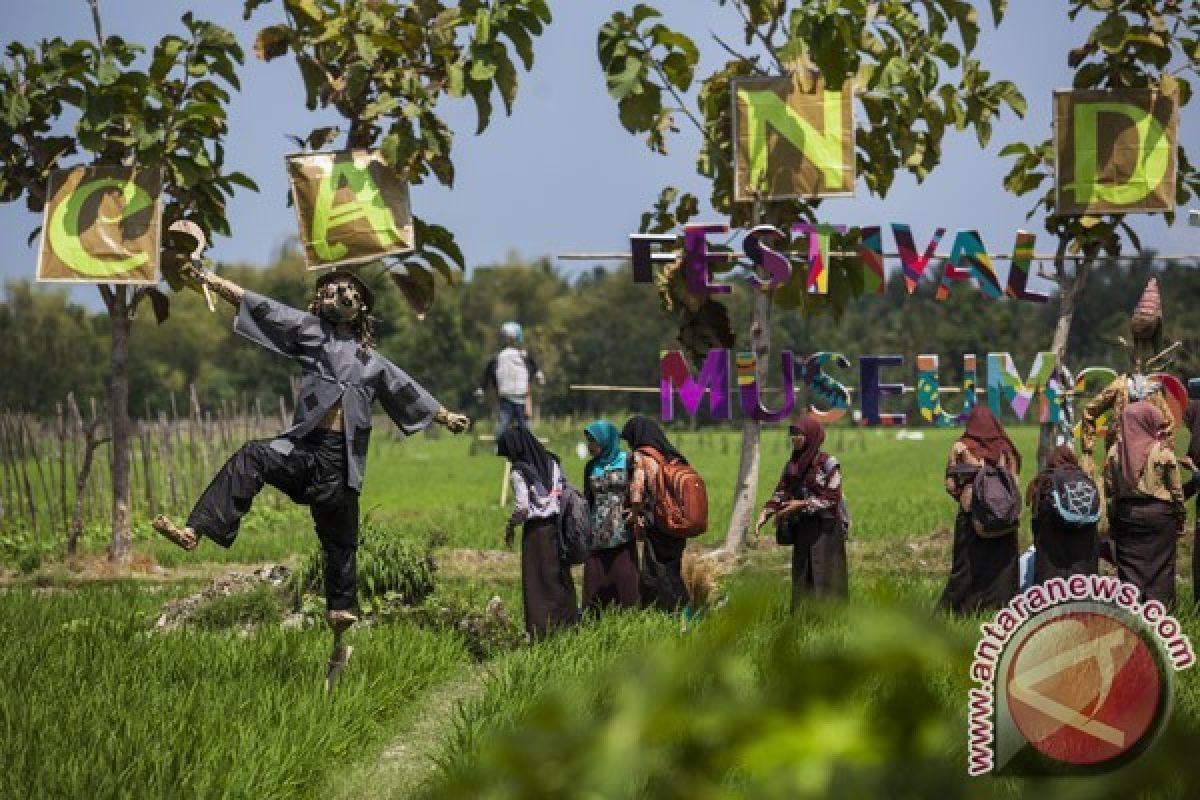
{"type": "Point", "coordinates": [866, 700]}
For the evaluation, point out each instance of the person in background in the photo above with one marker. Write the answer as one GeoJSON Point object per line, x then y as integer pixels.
{"type": "Point", "coordinates": [1062, 549]}
{"type": "Point", "coordinates": [546, 586]}
{"type": "Point", "coordinates": [509, 373]}
{"type": "Point", "coordinates": [809, 514]}
{"type": "Point", "coordinates": [983, 571]}
{"type": "Point", "coordinates": [1191, 461]}
{"type": "Point", "coordinates": [610, 574]}
{"type": "Point", "coordinates": [1146, 511]}
{"type": "Point", "coordinates": [661, 585]}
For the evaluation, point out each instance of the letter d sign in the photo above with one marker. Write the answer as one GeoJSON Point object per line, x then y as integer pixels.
{"type": "Point", "coordinates": [1116, 150]}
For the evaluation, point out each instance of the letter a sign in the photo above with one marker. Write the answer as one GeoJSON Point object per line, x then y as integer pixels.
{"type": "Point", "coordinates": [352, 207]}
{"type": "Point", "coordinates": [1116, 150]}
{"type": "Point", "coordinates": [102, 225]}
{"type": "Point", "coordinates": [790, 141]}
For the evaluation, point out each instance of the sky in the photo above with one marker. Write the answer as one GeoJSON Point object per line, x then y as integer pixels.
{"type": "Point", "coordinates": [562, 175]}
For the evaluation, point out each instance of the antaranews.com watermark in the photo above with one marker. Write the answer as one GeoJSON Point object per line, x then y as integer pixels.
{"type": "Point", "coordinates": [1074, 676]}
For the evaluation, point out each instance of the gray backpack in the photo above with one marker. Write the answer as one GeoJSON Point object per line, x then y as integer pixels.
{"type": "Point", "coordinates": [995, 502]}
{"type": "Point", "coordinates": [574, 526]}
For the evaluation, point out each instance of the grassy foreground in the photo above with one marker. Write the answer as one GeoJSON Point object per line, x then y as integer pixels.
{"type": "Point", "coordinates": [866, 700]}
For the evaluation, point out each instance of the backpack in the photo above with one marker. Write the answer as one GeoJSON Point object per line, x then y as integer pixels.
{"type": "Point", "coordinates": [574, 526]}
{"type": "Point", "coordinates": [995, 502]}
{"type": "Point", "coordinates": [680, 498]}
{"type": "Point", "coordinates": [1074, 498]}
{"type": "Point", "coordinates": [512, 374]}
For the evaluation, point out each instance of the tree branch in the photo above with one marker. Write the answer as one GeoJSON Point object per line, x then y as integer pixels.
{"type": "Point", "coordinates": [751, 62]}
{"type": "Point", "coordinates": [758, 34]}
{"type": "Point", "coordinates": [95, 4]}
{"type": "Point", "coordinates": [670, 87]}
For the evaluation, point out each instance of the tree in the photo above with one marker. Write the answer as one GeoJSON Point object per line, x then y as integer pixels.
{"type": "Point", "coordinates": [169, 112]}
{"type": "Point", "coordinates": [384, 65]}
{"type": "Point", "coordinates": [1138, 44]}
{"type": "Point", "coordinates": [896, 51]}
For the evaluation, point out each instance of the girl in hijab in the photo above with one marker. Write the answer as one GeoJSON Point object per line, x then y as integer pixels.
{"type": "Point", "coordinates": [1147, 512]}
{"type": "Point", "coordinates": [983, 571]}
{"type": "Point", "coordinates": [661, 583]}
{"type": "Point", "coordinates": [810, 515]}
{"type": "Point", "coordinates": [610, 574]}
{"type": "Point", "coordinates": [1060, 550]}
{"type": "Point", "coordinates": [546, 586]}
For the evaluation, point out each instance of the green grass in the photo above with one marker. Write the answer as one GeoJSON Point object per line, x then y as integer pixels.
{"type": "Point", "coordinates": [97, 706]}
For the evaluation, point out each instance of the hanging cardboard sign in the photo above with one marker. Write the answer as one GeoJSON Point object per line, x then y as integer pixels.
{"type": "Point", "coordinates": [791, 142]}
{"type": "Point", "coordinates": [1116, 150]}
{"type": "Point", "coordinates": [351, 206]}
{"type": "Point", "coordinates": [101, 225]}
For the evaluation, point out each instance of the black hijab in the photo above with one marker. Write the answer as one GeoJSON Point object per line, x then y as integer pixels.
{"type": "Point", "coordinates": [528, 457]}
{"type": "Point", "coordinates": [642, 431]}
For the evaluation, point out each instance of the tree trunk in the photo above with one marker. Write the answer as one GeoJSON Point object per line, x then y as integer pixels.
{"type": "Point", "coordinates": [121, 549]}
{"type": "Point", "coordinates": [1069, 287]}
{"type": "Point", "coordinates": [746, 491]}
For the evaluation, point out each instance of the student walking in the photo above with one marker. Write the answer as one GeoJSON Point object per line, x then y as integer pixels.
{"type": "Point", "coordinates": [810, 514]}
{"type": "Point", "coordinates": [546, 586]}
{"type": "Point", "coordinates": [1147, 511]}
{"type": "Point", "coordinates": [983, 570]}
{"type": "Point", "coordinates": [1065, 506]}
{"type": "Point", "coordinates": [610, 574]}
{"type": "Point", "coordinates": [661, 583]}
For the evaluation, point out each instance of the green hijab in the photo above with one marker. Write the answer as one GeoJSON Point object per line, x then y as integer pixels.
{"type": "Point", "coordinates": [611, 457]}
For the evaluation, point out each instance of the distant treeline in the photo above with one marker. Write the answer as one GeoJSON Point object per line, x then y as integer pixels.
{"type": "Point", "coordinates": [590, 326]}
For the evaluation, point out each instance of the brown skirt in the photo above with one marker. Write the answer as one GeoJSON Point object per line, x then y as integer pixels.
{"type": "Point", "coordinates": [546, 584]}
{"type": "Point", "coordinates": [1144, 545]}
{"type": "Point", "coordinates": [818, 558]}
{"type": "Point", "coordinates": [983, 571]}
{"type": "Point", "coordinates": [610, 578]}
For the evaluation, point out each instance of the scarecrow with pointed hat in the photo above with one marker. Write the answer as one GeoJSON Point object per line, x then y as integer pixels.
{"type": "Point", "coordinates": [319, 461]}
{"type": "Point", "coordinates": [1147, 355]}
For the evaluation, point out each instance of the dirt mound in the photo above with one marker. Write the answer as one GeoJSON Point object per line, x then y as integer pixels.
{"type": "Point", "coordinates": [185, 610]}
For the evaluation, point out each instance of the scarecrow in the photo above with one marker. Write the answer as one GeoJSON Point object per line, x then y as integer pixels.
{"type": "Point", "coordinates": [1147, 356]}
{"type": "Point", "coordinates": [319, 461]}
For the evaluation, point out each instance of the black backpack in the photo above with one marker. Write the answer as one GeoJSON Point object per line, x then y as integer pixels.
{"type": "Point", "coordinates": [1074, 498]}
{"type": "Point", "coordinates": [995, 502]}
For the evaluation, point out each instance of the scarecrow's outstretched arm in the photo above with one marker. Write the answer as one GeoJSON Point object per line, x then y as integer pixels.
{"type": "Point", "coordinates": [227, 289]}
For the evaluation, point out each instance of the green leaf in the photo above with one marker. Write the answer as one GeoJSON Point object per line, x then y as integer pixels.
{"type": "Point", "coordinates": [272, 42]}
{"type": "Point", "coordinates": [107, 72]}
{"type": "Point", "coordinates": [481, 93]}
{"type": "Point", "coordinates": [308, 9]}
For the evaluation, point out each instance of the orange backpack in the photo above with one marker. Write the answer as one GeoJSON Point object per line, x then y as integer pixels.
{"type": "Point", "coordinates": [679, 496]}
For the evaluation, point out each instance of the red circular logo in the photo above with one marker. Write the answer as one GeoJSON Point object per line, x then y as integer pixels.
{"type": "Point", "coordinates": [1084, 688]}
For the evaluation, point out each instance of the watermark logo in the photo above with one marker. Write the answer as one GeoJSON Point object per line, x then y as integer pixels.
{"type": "Point", "coordinates": [1075, 676]}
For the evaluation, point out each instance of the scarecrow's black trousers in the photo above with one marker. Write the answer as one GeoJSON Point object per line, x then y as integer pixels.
{"type": "Point", "coordinates": [311, 471]}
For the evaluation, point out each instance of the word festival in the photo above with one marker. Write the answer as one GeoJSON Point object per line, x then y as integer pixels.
{"type": "Point", "coordinates": [968, 260]}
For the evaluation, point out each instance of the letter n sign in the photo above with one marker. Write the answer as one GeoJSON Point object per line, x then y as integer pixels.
{"type": "Point", "coordinates": [790, 141]}
{"type": "Point", "coordinates": [352, 207]}
{"type": "Point", "coordinates": [1116, 150]}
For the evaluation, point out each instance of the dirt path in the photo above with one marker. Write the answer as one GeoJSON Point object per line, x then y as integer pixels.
{"type": "Point", "coordinates": [407, 762]}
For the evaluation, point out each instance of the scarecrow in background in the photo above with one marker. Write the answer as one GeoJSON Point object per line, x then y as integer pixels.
{"type": "Point", "coordinates": [1147, 355]}
{"type": "Point", "coordinates": [319, 461]}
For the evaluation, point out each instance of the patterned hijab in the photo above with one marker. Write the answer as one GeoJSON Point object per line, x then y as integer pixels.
{"type": "Point", "coordinates": [1141, 428]}
{"type": "Point", "coordinates": [986, 439]}
{"type": "Point", "coordinates": [814, 436]}
{"type": "Point", "coordinates": [611, 457]}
